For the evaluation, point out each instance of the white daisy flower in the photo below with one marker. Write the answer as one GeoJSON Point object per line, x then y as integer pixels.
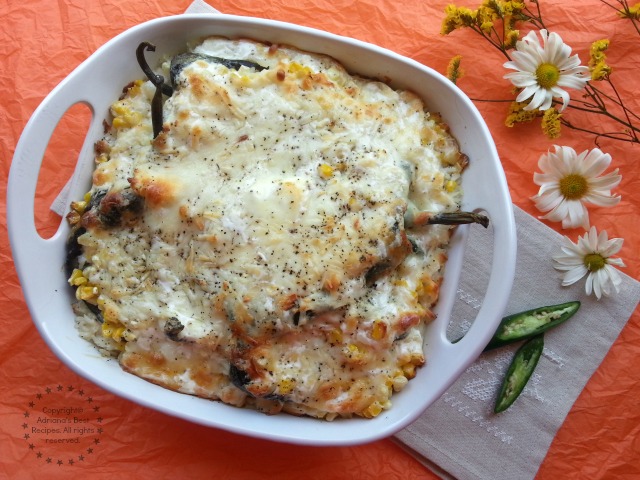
{"type": "Point", "coordinates": [543, 71]}
{"type": "Point", "coordinates": [592, 256]}
{"type": "Point", "coordinates": [570, 181]}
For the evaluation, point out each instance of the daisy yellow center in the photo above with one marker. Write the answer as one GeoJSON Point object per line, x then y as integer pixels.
{"type": "Point", "coordinates": [547, 75]}
{"type": "Point", "coordinates": [573, 186]}
{"type": "Point", "coordinates": [594, 261]}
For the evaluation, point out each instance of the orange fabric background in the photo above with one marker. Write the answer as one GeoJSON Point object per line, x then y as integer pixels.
{"type": "Point", "coordinates": [41, 42]}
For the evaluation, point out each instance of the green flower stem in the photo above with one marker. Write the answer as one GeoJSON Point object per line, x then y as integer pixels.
{"type": "Point", "coordinates": [624, 9]}
{"type": "Point", "coordinates": [617, 99]}
{"type": "Point", "coordinates": [496, 43]}
{"type": "Point", "coordinates": [601, 109]}
{"type": "Point", "coordinates": [627, 113]}
{"type": "Point", "coordinates": [620, 136]}
{"type": "Point", "coordinates": [535, 18]}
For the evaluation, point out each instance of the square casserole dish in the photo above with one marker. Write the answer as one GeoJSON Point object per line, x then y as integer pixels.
{"type": "Point", "coordinates": [98, 81]}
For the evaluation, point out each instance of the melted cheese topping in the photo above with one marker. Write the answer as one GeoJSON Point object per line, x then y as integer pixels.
{"type": "Point", "coordinates": [269, 264]}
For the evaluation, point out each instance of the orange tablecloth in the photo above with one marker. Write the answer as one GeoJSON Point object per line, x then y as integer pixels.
{"type": "Point", "coordinates": [42, 41]}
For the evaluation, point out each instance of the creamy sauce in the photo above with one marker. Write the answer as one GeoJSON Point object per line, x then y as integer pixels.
{"type": "Point", "coordinates": [270, 197]}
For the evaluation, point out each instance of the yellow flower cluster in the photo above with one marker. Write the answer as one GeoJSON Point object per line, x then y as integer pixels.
{"type": "Point", "coordinates": [454, 72]}
{"type": "Point", "coordinates": [517, 114]}
{"type": "Point", "coordinates": [551, 123]}
{"type": "Point", "coordinates": [484, 18]}
{"type": "Point", "coordinates": [598, 60]}
{"type": "Point", "coordinates": [632, 12]}
{"type": "Point", "coordinates": [457, 17]}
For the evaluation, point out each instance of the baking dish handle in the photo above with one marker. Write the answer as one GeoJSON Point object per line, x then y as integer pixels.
{"type": "Point", "coordinates": [29, 154]}
{"type": "Point", "coordinates": [500, 282]}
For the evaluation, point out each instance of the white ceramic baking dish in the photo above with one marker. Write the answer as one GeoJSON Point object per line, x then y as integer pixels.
{"type": "Point", "coordinates": [99, 80]}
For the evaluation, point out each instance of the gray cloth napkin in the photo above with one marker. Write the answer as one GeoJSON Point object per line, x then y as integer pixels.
{"type": "Point", "coordinates": [460, 433]}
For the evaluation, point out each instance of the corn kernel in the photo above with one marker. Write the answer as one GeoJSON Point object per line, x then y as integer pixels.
{"type": "Point", "coordinates": [111, 330]}
{"type": "Point", "coordinates": [431, 287]}
{"type": "Point", "coordinates": [450, 186]}
{"type": "Point", "coordinates": [87, 292]}
{"type": "Point", "coordinates": [419, 290]}
{"type": "Point", "coordinates": [299, 70]}
{"type": "Point", "coordinates": [335, 336]}
{"type": "Point", "coordinates": [286, 385]}
{"type": "Point", "coordinates": [325, 171]}
{"type": "Point", "coordinates": [379, 330]}
{"type": "Point", "coordinates": [354, 353]}
{"type": "Point", "coordinates": [123, 116]}
{"type": "Point", "coordinates": [73, 217]}
{"type": "Point", "coordinates": [109, 313]}
{"type": "Point", "coordinates": [128, 335]}
{"type": "Point", "coordinates": [135, 88]}
{"type": "Point", "coordinates": [79, 206]}
{"type": "Point", "coordinates": [116, 331]}
{"type": "Point", "coordinates": [399, 382]}
{"type": "Point", "coordinates": [372, 410]}
{"type": "Point", "coordinates": [107, 329]}
{"type": "Point", "coordinates": [77, 277]}
{"type": "Point", "coordinates": [118, 108]}
{"type": "Point", "coordinates": [126, 121]}
{"type": "Point", "coordinates": [409, 370]}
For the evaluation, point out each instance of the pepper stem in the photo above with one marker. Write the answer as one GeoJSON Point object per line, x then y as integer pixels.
{"type": "Point", "coordinates": [158, 82]}
{"type": "Point", "coordinates": [418, 219]}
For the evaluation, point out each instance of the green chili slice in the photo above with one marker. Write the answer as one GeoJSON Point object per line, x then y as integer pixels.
{"type": "Point", "coordinates": [522, 366]}
{"type": "Point", "coordinates": [527, 324]}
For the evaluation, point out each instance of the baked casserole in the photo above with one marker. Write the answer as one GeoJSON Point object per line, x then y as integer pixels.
{"type": "Point", "coordinates": [269, 244]}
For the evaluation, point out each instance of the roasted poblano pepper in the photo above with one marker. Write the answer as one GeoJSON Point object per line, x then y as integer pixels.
{"type": "Point", "coordinates": [177, 64]}
{"type": "Point", "coordinates": [524, 325]}
{"type": "Point", "coordinates": [522, 366]}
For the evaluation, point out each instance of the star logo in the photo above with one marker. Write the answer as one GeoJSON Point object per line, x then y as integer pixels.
{"type": "Point", "coordinates": [59, 403]}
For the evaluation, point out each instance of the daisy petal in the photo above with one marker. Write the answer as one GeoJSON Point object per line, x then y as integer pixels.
{"type": "Point", "coordinates": [595, 162]}
{"type": "Point", "coordinates": [564, 162]}
{"type": "Point", "coordinates": [606, 182]}
{"type": "Point", "coordinates": [573, 275]}
{"type": "Point", "coordinates": [578, 215]}
{"type": "Point", "coordinates": [521, 79]}
{"type": "Point", "coordinates": [614, 278]}
{"type": "Point", "coordinates": [602, 200]}
{"type": "Point", "coordinates": [611, 247]}
{"type": "Point", "coordinates": [558, 92]}
{"type": "Point", "coordinates": [572, 81]}
{"type": "Point", "coordinates": [548, 200]}
{"type": "Point", "coordinates": [540, 97]}
{"type": "Point", "coordinates": [597, 283]}
{"type": "Point", "coordinates": [618, 262]}
{"type": "Point", "coordinates": [531, 52]}
{"type": "Point", "coordinates": [602, 278]}
{"type": "Point", "coordinates": [588, 284]}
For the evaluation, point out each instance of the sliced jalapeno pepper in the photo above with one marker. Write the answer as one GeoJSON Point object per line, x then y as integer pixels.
{"type": "Point", "coordinates": [523, 325]}
{"type": "Point", "coordinates": [519, 372]}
